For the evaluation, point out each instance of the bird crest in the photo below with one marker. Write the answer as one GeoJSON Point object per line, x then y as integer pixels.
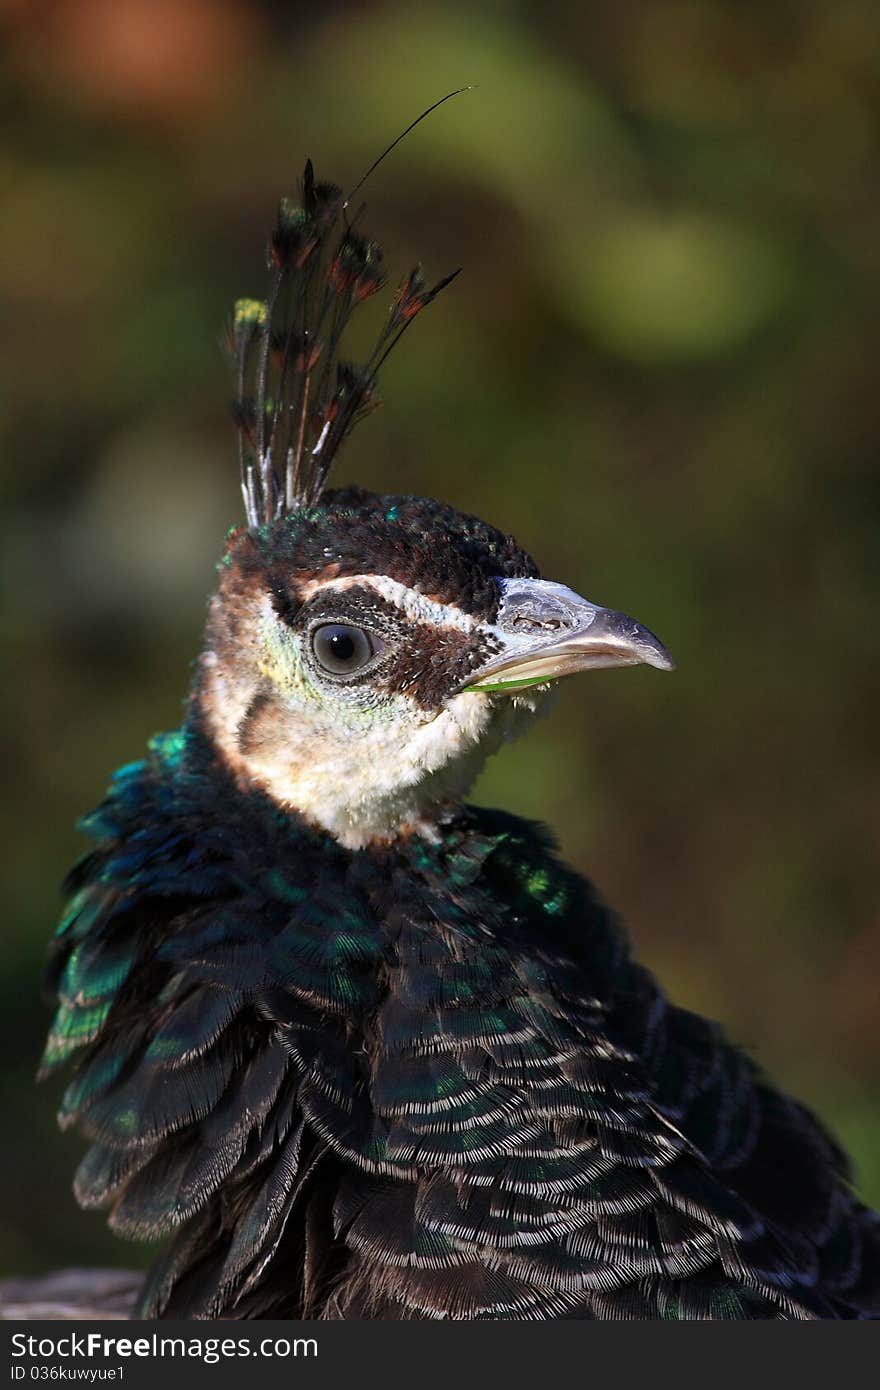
{"type": "Point", "coordinates": [297, 397]}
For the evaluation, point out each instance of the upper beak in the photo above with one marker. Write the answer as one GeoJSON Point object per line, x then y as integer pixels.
{"type": "Point", "coordinates": [547, 631]}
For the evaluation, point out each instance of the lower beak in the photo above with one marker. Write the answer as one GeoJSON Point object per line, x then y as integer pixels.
{"type": "Point", "coordinates": [547, 631]}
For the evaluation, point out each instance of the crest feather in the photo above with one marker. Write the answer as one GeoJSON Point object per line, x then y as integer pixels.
{"type": "Point", "coordinates": [297, 399]}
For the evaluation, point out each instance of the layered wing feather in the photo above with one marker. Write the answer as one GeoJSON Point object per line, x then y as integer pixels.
{"type": "Point", "coordinates": [423, 1084]}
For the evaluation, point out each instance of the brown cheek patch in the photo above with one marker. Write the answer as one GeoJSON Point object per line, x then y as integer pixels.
{"type": "Point", "coordinates": [255, 725]}
{"type": "Point", "coordinates": [266, 738]}
{"type": "Point", "coordinates": [432, 663]}
{"type": "Point", "coordinates": [227, 675]}
{"type": "Point", "coordinates": [231, 616]}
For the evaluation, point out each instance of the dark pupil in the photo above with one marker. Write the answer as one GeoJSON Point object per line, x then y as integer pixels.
{"type": "Point", "coordinates": [341, 645]}
{"type": "Point", "coordinates": [342, 649]}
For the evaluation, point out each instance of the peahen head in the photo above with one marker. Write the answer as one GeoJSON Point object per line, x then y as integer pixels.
{"type": "Point", "coordinates": [365, 654]}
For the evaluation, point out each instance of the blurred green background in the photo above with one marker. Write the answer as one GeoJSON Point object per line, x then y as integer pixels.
{"type": "Point", "coordinates": [658, 369]}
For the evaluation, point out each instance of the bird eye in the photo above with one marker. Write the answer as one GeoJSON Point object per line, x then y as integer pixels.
{"type": "Point", "coordinates": [341, 649]}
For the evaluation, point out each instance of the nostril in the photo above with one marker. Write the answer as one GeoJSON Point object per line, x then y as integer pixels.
{"type": "Point", "coordinates": [522, 620]}
{"type": "Point", "coordinates": [538, 617]}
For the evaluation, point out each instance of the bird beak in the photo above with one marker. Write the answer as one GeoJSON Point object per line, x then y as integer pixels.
{"type": "Point", "coordinates": [546, 631]}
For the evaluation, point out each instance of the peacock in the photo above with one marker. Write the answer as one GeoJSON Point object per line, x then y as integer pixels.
{"type": "Point", "coordinates": [352, 1047]}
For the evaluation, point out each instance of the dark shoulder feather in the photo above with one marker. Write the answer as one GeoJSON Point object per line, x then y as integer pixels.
{"type": "Point", "coordinates": [422, 1084]}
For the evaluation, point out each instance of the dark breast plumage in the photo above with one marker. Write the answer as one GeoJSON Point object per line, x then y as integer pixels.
{"type": "Point", "coordinates": [423, 1083]}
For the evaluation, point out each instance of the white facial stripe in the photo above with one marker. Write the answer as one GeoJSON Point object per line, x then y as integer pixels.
{"type": "Point", "coordinates": [418, 607]}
